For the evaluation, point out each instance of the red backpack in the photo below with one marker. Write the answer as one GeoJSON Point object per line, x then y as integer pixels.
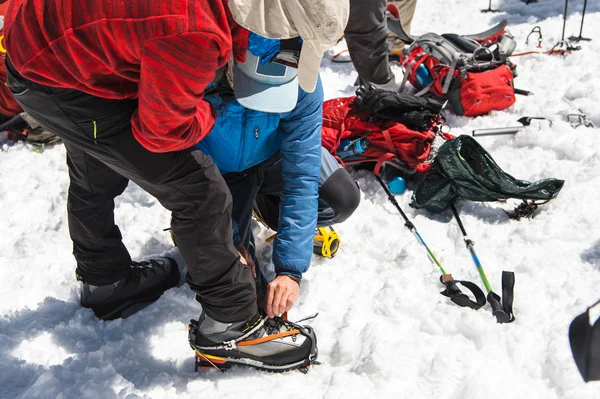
{"type": "Point", "coordinates": [389, 141]}
{"type": "Point", "coordinates": [472, 72]}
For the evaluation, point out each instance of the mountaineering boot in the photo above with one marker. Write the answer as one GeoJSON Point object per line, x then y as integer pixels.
{"type": "Point", "coordinates": [267, 344]}
{"type": "Point", "coordinates": [326, 242]}
{"type": "Point", "coordinates": [145, 283]}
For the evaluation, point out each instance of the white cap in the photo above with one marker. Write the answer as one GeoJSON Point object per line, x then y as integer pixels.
{"type": "Point", "coordinates": [320, 24]}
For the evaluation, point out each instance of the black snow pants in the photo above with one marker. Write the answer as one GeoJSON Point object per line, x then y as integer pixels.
{"type": "Point", "coordinates": [103, 156]}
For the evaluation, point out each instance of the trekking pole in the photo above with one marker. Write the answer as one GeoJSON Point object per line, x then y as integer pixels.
{"type": "Point", "coordinates": [564, 21]}
{"type": "Point", "coordinates": [580, 37]}
{"type": "Point", "coordinates": [502, 311]}
{"type": "Point", "coordinates": [489, 9]}
{"type": "Point", "coordinates": [452, 291]}
{"type": "Point", "coordinates": [568, 47]}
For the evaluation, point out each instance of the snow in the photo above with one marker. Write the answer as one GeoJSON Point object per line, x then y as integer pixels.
{"type": "Point", "coordinates": [383, 330]}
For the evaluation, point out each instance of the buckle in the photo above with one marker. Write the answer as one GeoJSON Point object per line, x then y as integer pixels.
{"type": "Point", "coordinates": [229, 345]}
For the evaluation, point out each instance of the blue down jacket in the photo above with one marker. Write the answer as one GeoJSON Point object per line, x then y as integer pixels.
{"type": "Point", "coordinates": [242, 138]}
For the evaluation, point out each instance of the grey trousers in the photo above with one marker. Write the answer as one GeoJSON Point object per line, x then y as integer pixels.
{"type": "Point", "coordinates": [366, 36]}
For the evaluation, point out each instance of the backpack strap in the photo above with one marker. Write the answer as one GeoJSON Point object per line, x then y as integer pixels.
{"type": "Point", "coordinates": [425, 89]}
{"type": "Point", "coordinates": [390, 143]}
{"type": "Point", "coordinates": [450, 75]}
{"type": "Point", "coordinates": [439, 47]}
{"type": "Point", "coordinates": [443, 50]}
{"type": "Point", "coordinates": [381, 160]}
{"type": "Point", "coordinates": [417, 60]}
{"type": "Point", "coordinates": [407, 69]}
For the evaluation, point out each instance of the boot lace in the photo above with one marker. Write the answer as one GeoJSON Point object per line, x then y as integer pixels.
{"type": "Point", "coordinates": [277, 325]}
{"type": "Point", "coordinates": [137, 270]}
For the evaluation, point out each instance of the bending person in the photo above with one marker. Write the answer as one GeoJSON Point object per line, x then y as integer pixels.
{"type": "Point", "coordinates": [122, 83]}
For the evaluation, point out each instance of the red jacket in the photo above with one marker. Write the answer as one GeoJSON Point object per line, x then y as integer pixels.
{"type": "Point", "coordinates": [164, 53]}
{"type": "Point", "coordinates": [8, 106]}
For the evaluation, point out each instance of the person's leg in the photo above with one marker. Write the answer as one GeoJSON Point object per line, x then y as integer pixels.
{"type": "Point", "coordinates": [407, 11]}
{"type": "Point", "coordinates": [185, 182]}
{"type": "Point", "coordinates": [97, 246]}
{"type": "Point", "coordinates": [366, 36]}
{"type": "Point", "coordinates": [244, 188]}
{"type": "Point", "coordinates": [339, 195]}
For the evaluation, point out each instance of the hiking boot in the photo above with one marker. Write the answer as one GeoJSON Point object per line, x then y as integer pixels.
{"type": "Point", "coordinates": [266, 344]}
{"type": "Point", "coordinates": [326, 242]}
{"type": "Point", "coordinates": [145, 283]}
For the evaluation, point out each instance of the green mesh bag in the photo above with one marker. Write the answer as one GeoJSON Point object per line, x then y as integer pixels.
{"type": "Point", "coordinates": [463, 169]}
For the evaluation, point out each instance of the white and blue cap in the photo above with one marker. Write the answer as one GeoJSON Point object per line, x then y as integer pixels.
{"type": "Point", "coordinates": [267, 87]}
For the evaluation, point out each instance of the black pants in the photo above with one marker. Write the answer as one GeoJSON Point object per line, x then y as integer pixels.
{"type": "Point", "coordinates": [103, 156]}
{"type": "Point", "coordinates": [264, 178]}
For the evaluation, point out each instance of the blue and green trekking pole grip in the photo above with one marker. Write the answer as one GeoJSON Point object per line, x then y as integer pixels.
{"type": "Point", "coordinates": [501, 310]}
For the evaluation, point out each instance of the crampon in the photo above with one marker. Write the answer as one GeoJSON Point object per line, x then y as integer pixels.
{"type": "Point", "coordinates": [274, 345]}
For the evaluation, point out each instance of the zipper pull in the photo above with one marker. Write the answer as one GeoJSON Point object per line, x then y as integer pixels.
{"type": "Point", "coordinates": [256, 133]}
{"type": "Point", "coordinates": [95, 131]}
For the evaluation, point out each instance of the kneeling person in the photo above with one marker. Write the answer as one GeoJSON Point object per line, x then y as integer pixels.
{"type": "Point", "coordinates": [267, 143]}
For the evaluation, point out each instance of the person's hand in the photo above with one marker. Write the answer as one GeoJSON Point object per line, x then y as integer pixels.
{"type": "Point", "coordinates": [281, 294]}
{"type": "Point", "coordinates": [246, 259]}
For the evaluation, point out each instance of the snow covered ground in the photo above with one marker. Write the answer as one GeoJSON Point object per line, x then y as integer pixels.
{"type": "Point", "coordinates": [383, 330]}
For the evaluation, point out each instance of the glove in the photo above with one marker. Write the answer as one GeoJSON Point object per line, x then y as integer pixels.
{"type": "Point", "coordinates": [412, 111]}
{"type": "Point", "coordinates": [375, 101]}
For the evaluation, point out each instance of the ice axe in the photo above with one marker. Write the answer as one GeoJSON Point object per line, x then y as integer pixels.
{"type": "Point", "coordinates": [497, 131]}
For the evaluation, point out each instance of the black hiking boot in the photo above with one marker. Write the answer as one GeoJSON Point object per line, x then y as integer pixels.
{"type": "Point", "coordinates": [146, 282]}
{"type": "Point", "coordinates": [267, 344]}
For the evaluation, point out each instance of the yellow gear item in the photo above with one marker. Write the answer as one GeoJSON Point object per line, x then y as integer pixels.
{"type": "Point", "coordinates": [326, 242]}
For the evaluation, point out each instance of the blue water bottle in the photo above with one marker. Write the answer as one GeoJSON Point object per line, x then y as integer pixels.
{"type": "Point", "coordinates": [395, 182]}
{"type": "Point", "coordinates": [352, 148]}
{"type": "Point", "coordinates": [423, 75]}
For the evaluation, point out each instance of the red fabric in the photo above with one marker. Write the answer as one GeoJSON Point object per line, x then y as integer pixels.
{"type": "Point", "coordinates": [341, 121]}
{"type": "Point", "coordinates": [164, 53]}
{"type": "Point", "coordinates": [483, 92]}
{"type": "Point", "coordinates": [8, 105]}
{"type": "Point", "coordinates": [334, 115]}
